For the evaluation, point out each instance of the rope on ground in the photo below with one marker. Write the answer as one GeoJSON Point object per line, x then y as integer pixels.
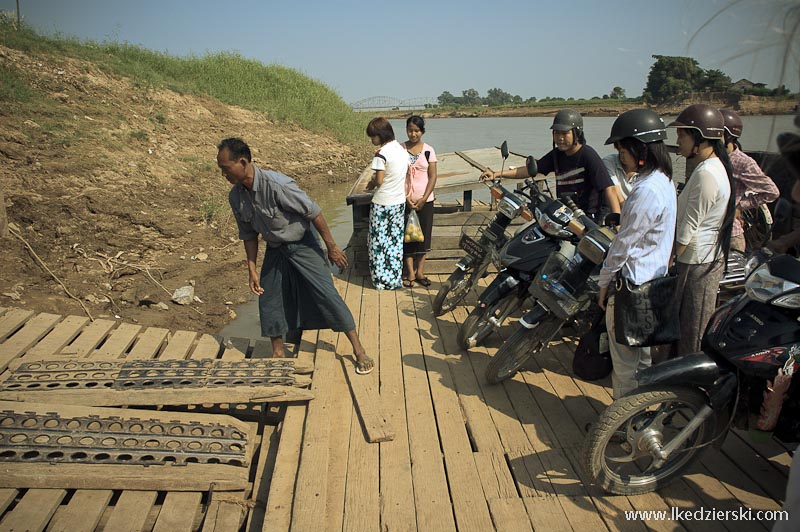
{"type": "Point", "coordinates": [44, 266]}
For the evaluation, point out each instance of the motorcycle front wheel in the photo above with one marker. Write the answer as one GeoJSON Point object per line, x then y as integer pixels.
{"type": "Point", "coordinates": [520, 347]}
{"type": "Point", "coordinates": [619, 450]}
{"type": "Point", "coordinates": [477, 326]}
{"type": "Point", "coordinates": [452, 291]}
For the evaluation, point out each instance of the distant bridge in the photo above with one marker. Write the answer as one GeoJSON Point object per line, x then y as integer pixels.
{"type": "Point", "coordinates": [388, 102]}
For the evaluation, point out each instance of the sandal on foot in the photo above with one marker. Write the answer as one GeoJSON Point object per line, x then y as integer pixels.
{"type": "Point", "coordinates": [424, 281]}
{"type": "Point", "coordinates": [407, 283]}
{"type": "Point", "coordinates": [364, 366]}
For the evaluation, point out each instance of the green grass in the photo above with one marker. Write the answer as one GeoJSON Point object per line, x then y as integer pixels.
{"type": "Point", "coordinates": [283, 93]}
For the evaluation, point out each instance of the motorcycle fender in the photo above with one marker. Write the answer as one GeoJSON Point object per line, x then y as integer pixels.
{"type": "Point", "coordinates": [698, 369]}
{"type": "Point", "coordinates": [502, 284]}
{"type": "Point", "coordinates": [532, 318]}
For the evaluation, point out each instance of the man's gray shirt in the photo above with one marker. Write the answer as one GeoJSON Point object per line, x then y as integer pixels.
{"type": "Point", "coordinates": [276, 208]}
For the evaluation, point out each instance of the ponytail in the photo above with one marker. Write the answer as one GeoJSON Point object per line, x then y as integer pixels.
{"type": "Point", "coordinates": [730, 213]}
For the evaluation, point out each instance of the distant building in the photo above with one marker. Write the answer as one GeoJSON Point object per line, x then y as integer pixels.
{"type": "Point", "coordinates": [746, 84]}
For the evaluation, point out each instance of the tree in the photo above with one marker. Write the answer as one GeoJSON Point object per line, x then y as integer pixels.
{"type": "Point", "coordinates": [471, 97]}
{"type": "Point", "coordinates": [672, 76]}
{"type": "Point", "coordinates": [497, 97]}
{"type": "Point", "coordinates": [715, 81]}
{"type": "Point", "coordinates": [446, 98]}
{"type": "Point", "coordinates": [617, 93]}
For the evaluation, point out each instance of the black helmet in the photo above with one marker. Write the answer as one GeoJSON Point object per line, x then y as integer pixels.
{"type": "Point", "coordinates": [566, 120]}
{"type": "Point", "coordinates": [641, 124]}
{"type": "Point", "coordinates": [702, 117]}
{"type": "Point", "coordinates": [733, 122]}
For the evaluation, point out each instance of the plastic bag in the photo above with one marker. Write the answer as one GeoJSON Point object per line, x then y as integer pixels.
{"type": "Point", "coordinates": [413, 229]}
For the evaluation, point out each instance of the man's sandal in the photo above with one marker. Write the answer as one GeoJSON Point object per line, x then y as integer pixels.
{"type": "Point", "coordinates": [407, 282]}
{"type": "Point", "coordinates": [364, 366]}
{"type": "Point", "coordinates": [424, 281]}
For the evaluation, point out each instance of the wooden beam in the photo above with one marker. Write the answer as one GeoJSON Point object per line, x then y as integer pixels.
{"type": "Point", "coordinates": [368, 404]}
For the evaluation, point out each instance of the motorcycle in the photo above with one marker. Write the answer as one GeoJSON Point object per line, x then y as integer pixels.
{"type": "Point", "coordinates": [741, 378]}
{"type": "Point", "coordinates": [564, 289]}
{"type": "Point", "coordinates": [481, 252]}
{"type": "Point", "coordinates": [520, 258]}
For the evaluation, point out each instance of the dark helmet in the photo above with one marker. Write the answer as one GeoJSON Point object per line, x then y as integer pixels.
{"type": "Point", "coordinates": [702, 117]}
{"type": "Point", "coordinates": [641, 124]}
{"type": "Point", "coordinates": [733, 122]}
{"type": "Point", "coordinates": [567, 119]}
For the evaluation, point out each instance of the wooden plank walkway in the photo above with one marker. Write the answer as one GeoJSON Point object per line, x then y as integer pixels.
{"type": "Point", "coordinates": [466, 455]}
{"type": "Point", "coordinates": [470, 456]}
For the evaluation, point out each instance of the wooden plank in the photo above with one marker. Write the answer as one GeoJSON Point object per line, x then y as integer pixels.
{"type": "Point", "coordinates": [311, 487]}
{"type": "Point", "coordinates": [82, 513]}
{"type": "Point", "coordinates": [189, 477]}
{"type": "Point", "coordinates": [131, 511]}
{"type": "Point", "coordinates": [365, 395]}
{"type": "Point", "coordinates": [224, 516]}
{"type": "Point", "coordinates": [148, 344]}
{"type": "Point", "coordinates": [470, 507]}
{"type": "Point", "coordinates": [33, 330]}
{"type": "Point", "coordinates": [546, 513]}
{"type": "Point", "coordinates": [33, 511]}
{"type": "Point", "coordinates": [7, 496]}
{"type": "Point", "coordinates": [278, 512]}
{"type": "Point", "coordinates": [13, 320]}
{"type": "Point", "coordinates": [270, 438]}
{"type": "Point", "coordinates": [362, 498]}
{"type": "Point", "coordinates": [396, 483]}
{"type": "Point", "coordinates": [178, 345]}
{"type": "Point", "coordinates": [496, 478]}
{"type": "Point", "coordinates": [89, 339]}
{"type": "Point", "coordinates": [178, 512]}
{"type": "Point", "coordinates": [166, 396]}
{"type": "Point", "coordinates": [342, 417]}
{"type": "Point", "coordinates": [119, 341]}
{"type": "Point", "coordinates": [509, 515]}
{"type": "Point", "coordinates": [431, 494]}
{"type": "Point", "coordinates": [236, 348]}
{"type": "Point", "coordinates": [63, 333]}
{"type": "Point", "coordinates": [208, 346]}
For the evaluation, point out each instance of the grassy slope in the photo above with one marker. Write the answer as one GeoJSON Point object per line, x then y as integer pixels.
{"type": "Point", "coordinates": [282, 93]}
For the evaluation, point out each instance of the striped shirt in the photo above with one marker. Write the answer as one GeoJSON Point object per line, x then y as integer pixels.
{"type": "Point", "coordinates": [642, 248]}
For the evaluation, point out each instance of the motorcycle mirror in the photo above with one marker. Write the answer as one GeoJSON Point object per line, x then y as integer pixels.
{"type": "Point", "coordinates": [504, 150]}
{"type": "Point", "coordinates": [530, 165]}
{"type": "Point", "coordinates": [612, 218]}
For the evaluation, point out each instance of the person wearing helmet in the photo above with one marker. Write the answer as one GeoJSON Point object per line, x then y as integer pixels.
{"type": "Point", "coordinates": [705, 219]}
{"type": "Point", "coordinates": [579, 170]}
{"type": "Point", "coordinates": [642, 249]}
{"type": "Point", "coordinates": [752, 187]}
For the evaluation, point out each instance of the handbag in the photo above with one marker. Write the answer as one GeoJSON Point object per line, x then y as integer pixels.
{"type": "Point", "coordinates": [647, 314]}
{"type": "Point", "coordinates": [592, 359]}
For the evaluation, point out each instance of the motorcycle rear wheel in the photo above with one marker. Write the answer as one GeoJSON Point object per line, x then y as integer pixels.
{"type": "Point", "coordinates": [452, 291]}
{"type": "Point", "coordinates": [520, 347]}
{"type": "Point", "coordinates": [616, 451]}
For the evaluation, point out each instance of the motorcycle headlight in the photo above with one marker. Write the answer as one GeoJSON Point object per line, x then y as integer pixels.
{"type": "Point", "coordinates": [510, 206]}
{"type": "Point", "coordinates": [762, 286]}
{"type": "Point", "coordinates": [549, 226]}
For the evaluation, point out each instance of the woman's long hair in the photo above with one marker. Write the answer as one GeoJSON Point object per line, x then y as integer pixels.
{"type": "Point", "coordinates": [650, 157]}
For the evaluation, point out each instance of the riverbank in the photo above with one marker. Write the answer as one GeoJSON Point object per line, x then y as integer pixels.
{"type": "Point", "coordinates": [746, 105]}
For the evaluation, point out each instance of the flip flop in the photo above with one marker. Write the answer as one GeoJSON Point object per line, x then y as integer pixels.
{"type": "Point", "coordinates": [424, 281]}
{"type": "Point", "coordinates": [361, 366]}
{"type": "Point", "coordinates": [408, 283]}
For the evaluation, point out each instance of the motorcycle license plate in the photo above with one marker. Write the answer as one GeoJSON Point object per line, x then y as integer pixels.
{"type": "Point", "coordinates": [470, 246]}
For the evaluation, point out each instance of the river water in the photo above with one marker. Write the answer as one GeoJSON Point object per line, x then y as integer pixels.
{"type": "Point", "coordinates": [529, 135]}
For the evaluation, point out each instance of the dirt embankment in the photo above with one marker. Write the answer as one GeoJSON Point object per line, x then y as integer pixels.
{"type": "Point", "coordinates": [746, 105]}
{"type": "Point", "coordinates": [115, 188]}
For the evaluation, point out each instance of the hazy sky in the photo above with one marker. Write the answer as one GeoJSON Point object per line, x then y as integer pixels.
{"type": "Point", "coordinates": [576, 48]}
